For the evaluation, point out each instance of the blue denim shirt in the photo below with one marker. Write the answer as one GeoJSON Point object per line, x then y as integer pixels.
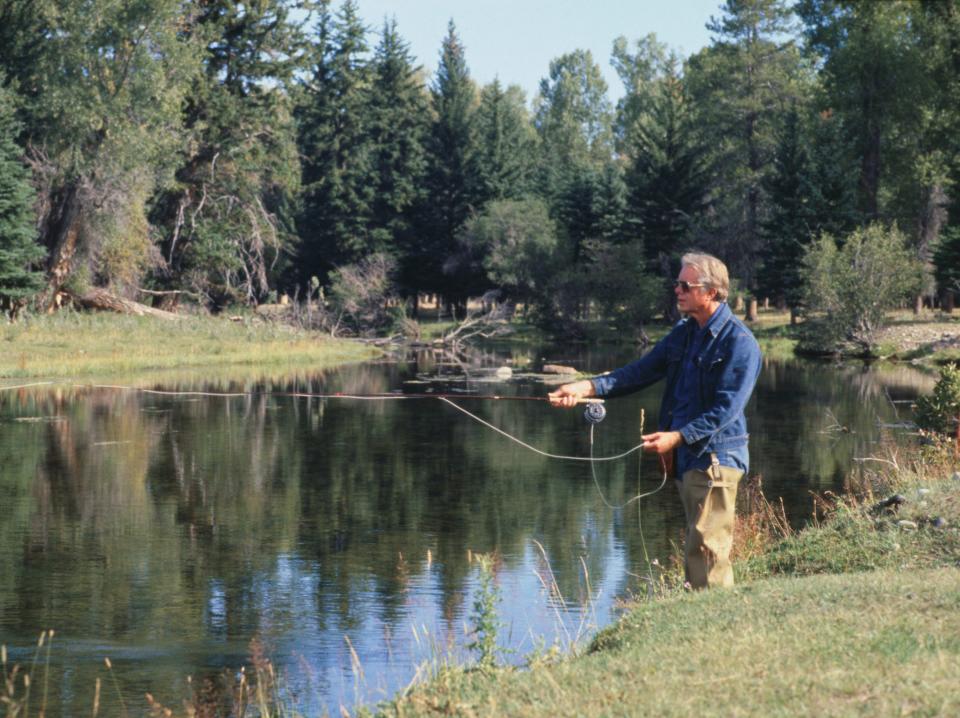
{"type": "Point", "coordinates": [718, 377]}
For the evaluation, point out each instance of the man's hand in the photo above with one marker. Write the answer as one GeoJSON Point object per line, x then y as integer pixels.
{"type": "Point", "coordinates": [569, 394]}
{"type": "Point", "coordinates": [661, 442]}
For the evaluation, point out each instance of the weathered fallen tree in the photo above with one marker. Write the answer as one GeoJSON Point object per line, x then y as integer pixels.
{"type": "Point", "coordinates": [102, 300]}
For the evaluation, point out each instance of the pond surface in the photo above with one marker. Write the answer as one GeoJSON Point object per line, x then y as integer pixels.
{"type": "Point", "coordinates": [169, 531]}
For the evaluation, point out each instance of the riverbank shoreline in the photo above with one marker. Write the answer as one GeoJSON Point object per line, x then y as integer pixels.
{"type": "Point", "coordinates": [857, 614]}
{"type": "Point", "coordinates": [80, 346]}
{"type": "Point", "coordinates": [72, 345]}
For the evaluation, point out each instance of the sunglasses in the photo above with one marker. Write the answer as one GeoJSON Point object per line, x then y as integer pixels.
{"type": "Point", "coordinates": [685, 286]}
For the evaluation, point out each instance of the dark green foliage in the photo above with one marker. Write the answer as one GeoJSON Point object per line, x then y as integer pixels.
{"type": "Point", "coordinates": [574, 120]}
{"type": "Point", "coordinates": [505, 145]}
{"type": "Point", "coordinates": [792, 221]}
{"type": "Point", "coordinates": [449, 181]}
{"type": "Point", "coordinates": [940, 410]}
{"type": "Point", "coordinates": [626, 293]}
{"type": "Point", "coordinates": [946, 260]}
{"type": "Point", "coordinates": [515, 243]}
{"type": "Point", "coordinates": [19, 252]}
{"type": "Point", "coordinates": [669, 178]}
{"type": "Point", "coordinates": [833, 176]}
{"type": "Point", "coordinates": [741, 85]}
{"type": "Point", "coordinates": [335, 147]}
{"type": "Point", "coordinates": [228, 218]}
{"type": "Point", "coordinates": [397, 128]}
{"type": "Point", "coordinates": [857, 281]}
{"type": "Point", "coordinates": [873, 78]}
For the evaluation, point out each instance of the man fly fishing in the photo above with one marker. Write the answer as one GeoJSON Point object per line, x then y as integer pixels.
{"type": "Point", "coordinates": [710, 362]}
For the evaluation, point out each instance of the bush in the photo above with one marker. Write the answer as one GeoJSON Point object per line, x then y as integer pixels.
{"type": "Point", "coordinates": [517, 242]}
{"type": "Point", "coordinates": [854, 283]}
{"type": "Point", "coordinates": [363, 296]}
{"type": "Point", "coordinates": [940, 411]}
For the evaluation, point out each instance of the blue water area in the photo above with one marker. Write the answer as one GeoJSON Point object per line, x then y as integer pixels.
{"type": "Point", "coordinates": [187, 536]}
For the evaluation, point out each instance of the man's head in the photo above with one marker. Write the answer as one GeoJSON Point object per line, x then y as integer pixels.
{"type": "Point", "coordinates": [703, 282]}
{"type": "Point", "coordinates": [710, 271]}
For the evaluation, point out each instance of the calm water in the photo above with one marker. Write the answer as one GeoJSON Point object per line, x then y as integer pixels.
{"type": "Point", "coordinates": [168, 532]}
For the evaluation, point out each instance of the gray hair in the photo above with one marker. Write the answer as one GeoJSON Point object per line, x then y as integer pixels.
{"type": "Point", "coordinates": [710, 271]}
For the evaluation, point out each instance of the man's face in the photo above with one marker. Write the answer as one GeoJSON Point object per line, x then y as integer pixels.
{"type": "Point", "coordinates": [697, 298]}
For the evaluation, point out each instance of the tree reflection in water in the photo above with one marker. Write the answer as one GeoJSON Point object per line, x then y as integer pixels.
{"type": "Point", "coordinates": [168, 531]}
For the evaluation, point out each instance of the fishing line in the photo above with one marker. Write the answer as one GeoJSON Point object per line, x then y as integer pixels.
{"type": "Point", "coordinates": [534, 449]}
{"type": "Point", "coordinates": [596, 482]}
{"type": "Point", "coordinates": [594, 414]}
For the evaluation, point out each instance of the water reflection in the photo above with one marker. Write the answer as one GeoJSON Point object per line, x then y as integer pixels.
{"type": "Point", "coordinates": [166, 531]}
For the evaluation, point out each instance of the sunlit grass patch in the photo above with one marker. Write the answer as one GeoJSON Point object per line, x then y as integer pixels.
{"type": "Point", "coordinates": [73, 345]}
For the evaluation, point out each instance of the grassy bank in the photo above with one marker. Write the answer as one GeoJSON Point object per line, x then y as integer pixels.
{"type": "Point", "coordinates": [858, 614]}
{"type": "Point", "coordinates": [73, 346]}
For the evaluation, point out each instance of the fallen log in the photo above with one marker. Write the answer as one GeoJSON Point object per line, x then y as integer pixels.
{"type": "Point", "coordinates": [102, 300]}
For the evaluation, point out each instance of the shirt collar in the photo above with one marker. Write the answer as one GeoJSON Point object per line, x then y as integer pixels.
{"type": "Point", "coordinates": [718, 319]}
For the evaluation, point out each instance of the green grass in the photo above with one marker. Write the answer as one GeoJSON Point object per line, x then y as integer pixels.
{"type": "Point", "coordinates": [70, 345]}
{"type": "Point", "coordinates": [858, 614]}
{"type": "Point", "coordinates": [880, 643]}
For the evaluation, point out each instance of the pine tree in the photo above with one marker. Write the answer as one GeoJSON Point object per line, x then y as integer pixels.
{"type": "Point", "coordinates": [792, 222]}
{"type": "Point", "coordinates": [448, 181]}
{"type": "Point", "coordinates": [398, 124]}
{"type": "Point", "coordinates": [946, 260]}
{"type": "Point", "coordinates": [18, 248]}
{"type": "Point", "coordinates": [668, 178]}
{"type": "Point", "coordinates": [338, 174]}
{"type": "Point", "coordinates": [505, 145]}
{"type": "Point", "coordinates": [874, 80]}
{"type": "Point", "coordinates": [835, 177]}
{"type": "Point", "coordinates": [740, 85]}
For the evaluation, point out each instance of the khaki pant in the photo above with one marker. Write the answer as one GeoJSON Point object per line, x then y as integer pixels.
{"type": "Point", "coordinates": [709, 498]}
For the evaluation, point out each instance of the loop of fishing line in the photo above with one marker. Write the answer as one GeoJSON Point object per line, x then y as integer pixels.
{"type": "Point", "coordinates": [534, 449]}
{"type": "Point", "coordinates": [592, 459]}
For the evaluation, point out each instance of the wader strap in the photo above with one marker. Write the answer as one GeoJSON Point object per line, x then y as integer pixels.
{"type": "Point", "coordinates": [716, 475]}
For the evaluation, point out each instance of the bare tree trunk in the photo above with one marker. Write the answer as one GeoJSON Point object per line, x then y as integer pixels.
{"type": "Point", "coordinates": [752, 313]}
{"type": "Point", "coordinates": [947, 302]}
{"type": "Point", "coordinates": [61, 232]}
{"type": "Point", "coordinates": [103, 300]}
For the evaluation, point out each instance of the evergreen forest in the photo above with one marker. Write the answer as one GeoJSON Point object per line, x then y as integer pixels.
{"type": "Point", "coordinates": [223, 153]}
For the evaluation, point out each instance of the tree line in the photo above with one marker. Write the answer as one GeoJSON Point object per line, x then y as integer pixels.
{"type": "Point", "coordinates": [230, 151]}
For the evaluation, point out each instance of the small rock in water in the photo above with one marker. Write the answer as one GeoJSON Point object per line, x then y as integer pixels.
{"type": "Point", "coordinates": [504, 372]}
{"type": "Point", "coordinates": [923, 492]}
{"type": "Point", "coordinates": [907, 525]}
{"type": "Point", "coordinates": [939, 523]}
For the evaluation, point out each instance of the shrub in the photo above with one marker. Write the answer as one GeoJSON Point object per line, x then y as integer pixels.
{"type": "Point", "coordinates": [856, 281]}
{"type": "Point", "coordinates": [363, 296]}
{"type": "Point", "coordinates": [940, 411]}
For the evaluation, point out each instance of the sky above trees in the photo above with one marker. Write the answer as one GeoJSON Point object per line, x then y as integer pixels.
{"type": "Point", "coordinates": [517, 39]}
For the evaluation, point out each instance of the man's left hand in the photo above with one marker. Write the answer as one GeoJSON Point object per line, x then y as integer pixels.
{"type": "Point", "coordinates": [661, 442]}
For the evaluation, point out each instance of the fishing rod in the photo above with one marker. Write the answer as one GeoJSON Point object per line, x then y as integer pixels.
{"type": "Point", "coordinates": [433, 395]}
{"type": "Point", "coordinates": [594, 413]}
